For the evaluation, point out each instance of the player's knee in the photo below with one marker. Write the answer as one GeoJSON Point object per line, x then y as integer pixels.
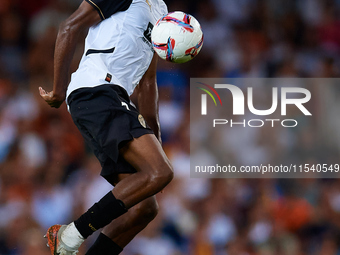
{"type": "Point", "coordinates": [162, 174]}
{"type": "Point", "coordinates": [169, 174]}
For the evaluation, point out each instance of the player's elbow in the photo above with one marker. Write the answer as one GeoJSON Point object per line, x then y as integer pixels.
{"type": "Point", "coordinates": [66, 28]}
{"type": "Point", "coordinates": [69, 27]}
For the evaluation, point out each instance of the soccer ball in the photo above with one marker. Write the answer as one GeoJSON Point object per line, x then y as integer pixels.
{"type": "Point", "coordinates": [177, 37]}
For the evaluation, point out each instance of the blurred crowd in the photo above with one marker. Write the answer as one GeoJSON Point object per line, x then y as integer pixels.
{"type": "Point", "coordinates": [48, 175]}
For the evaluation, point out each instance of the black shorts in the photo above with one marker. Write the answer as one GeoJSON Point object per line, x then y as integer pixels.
{"type": "Point", "coordinates": [107, 121]}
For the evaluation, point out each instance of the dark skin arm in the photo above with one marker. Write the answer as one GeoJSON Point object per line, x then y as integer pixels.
{"type": "Point", "coordinates": [69, 32]}
{"type": "Point", "coordinates": [145, 97]}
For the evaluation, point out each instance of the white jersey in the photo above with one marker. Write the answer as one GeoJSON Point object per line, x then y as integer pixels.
{"type": "Point", "coordinates": [118, 50]}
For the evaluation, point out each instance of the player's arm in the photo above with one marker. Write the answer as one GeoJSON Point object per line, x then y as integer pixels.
{"type": "Point", "coordinates": [69, 31]}
{"type": "Point", "coordinates": [145, 97]}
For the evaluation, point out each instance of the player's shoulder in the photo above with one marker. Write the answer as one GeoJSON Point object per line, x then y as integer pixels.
{"type": "Point", "coordinates": [106, 8]}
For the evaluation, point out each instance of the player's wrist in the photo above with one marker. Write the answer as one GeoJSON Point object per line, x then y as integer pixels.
{"type": "Point", "coordinates": [59, 96]}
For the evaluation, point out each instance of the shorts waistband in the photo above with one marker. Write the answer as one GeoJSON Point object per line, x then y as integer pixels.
{"type": "Point", "coordinates": [90, 91]}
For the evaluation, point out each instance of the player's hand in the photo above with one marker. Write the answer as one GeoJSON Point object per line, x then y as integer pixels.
{"type": "Point", "coordinates": [52, 100]}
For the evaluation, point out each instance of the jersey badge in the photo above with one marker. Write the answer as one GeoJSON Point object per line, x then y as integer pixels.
{"type": "Point", "coordinates": [141, 120]}
{"type": "Point", "coordinates": [108, 77]}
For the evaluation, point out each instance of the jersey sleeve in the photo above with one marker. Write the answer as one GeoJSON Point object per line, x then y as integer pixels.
{"type": "Point", "coordinates": [106, 8]}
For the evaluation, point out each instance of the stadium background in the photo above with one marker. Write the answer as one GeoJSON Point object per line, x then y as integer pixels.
{"type": "Point", "coordinates": [48, 176]}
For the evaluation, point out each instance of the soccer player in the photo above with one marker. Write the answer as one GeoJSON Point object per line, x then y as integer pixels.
{"type": "Point", "coordinates": [118, 62]}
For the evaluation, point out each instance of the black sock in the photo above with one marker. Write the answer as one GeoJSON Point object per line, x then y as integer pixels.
{"type": "Point", "coordinates": [104, 246]}
{"type": "Point", "coordinates": [100, 214]}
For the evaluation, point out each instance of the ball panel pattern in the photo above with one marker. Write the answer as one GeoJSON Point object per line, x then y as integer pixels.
{"type": "Point", "coordinates": [177, 37]}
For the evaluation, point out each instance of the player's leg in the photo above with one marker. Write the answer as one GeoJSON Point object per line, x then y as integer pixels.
{"type": "Point", "coordinates": [154, 172]}
{"type": "Point", "coordinates": [122, 230]}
